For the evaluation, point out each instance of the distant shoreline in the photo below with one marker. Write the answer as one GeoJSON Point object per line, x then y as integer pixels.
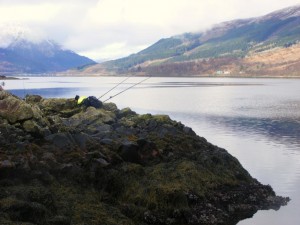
{"type": "Point", "coordinates": [159, 76]}
{"type": "Point", "coordinates": [8, 78]}
{"type": "Point", "coordinates": [26, 76]}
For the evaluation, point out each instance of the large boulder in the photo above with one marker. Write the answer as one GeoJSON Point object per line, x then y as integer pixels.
{"type": "Point", "coordinates": [92, 120]}
{"type": "Point", "coordinates": [63, 107]}
{"type": "Point", "coordinates": [25, 115]}
{"type": "Point", "coordinates": [91, 115]}
{"type": "Point", "coordinates": [14, 109]}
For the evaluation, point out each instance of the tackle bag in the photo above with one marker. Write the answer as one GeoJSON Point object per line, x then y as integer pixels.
{"type": "Point", "coordinates": [94, 102]}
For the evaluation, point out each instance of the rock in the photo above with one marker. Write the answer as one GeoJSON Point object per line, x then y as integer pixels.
{"type": "Point", "coordinates": [101, 162]}
{"type": "Point", "coordinates": [62, 140]}
{"type": "Point", "coordinates": [4, 94]}
{"type": "Point", "coordinates": [130, 152]}
{"type": "Point", "coordinates": [82, 140]}
{"type": "Point", "coordinates": [6, 164]}
{"type": "Point", "coordinates": [99, 130]}
{"type": "Point", "coordinates": [69, 170]}
{"type": "Point", "coordinates": [125, 131]}
{"type": "Point", "coordinates": [106, 141]}
{"type": "Point", "coordinates": [150, 218]}
{"type": "Point", "coordinates": [110, 107]}
{"type": "Point", "coordinates": [147, 150]}
{"type": "Point", "coordinates": [126, 112]}
{"type": "Point", "coordinates": [49, 157]}
{"type": "Point", "coordinates": [97, 164]}
{"type": "Point", "coordinates": [32, 99]}
{"type": "Point", "coordinates": [55, 120]}
{"type": "Point", "coordinates": [24, 211]}
{"type": "Point", "coordinates": [39, 117]}
{"type": "Point", "coordinates": [14, 109]}
{"type": "Point", "coordinates": [91, 117]}
{"type": "Point", "coordinates": [61, 164]}
{"type": "Point", "coordinates": [188, 130]}
{"type": "Point", "coordinates": [95, 154]}
{"type": "Point", "coordinates": [32, 127]}
{"type": "Point", "coordinates": [58, 105]}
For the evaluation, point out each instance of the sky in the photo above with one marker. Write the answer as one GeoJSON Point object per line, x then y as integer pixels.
{"type": "Point", "coordinates": [110, 29]}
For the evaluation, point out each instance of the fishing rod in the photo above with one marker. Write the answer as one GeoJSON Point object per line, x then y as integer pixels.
{"type": "Point", "coordinates": [115, 86]}
{"type": "Point", "coordinates": [127, 89]}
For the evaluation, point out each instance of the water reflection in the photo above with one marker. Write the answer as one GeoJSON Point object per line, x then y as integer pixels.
{"type": "Point", "coordinates": [280, 130]}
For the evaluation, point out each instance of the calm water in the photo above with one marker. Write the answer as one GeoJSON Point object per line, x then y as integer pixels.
{"type": "Point", "coordinates": [256, 120]}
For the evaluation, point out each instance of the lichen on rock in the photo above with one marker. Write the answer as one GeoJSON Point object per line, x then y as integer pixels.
{"type": "Point", "coordinates": [64, 164]}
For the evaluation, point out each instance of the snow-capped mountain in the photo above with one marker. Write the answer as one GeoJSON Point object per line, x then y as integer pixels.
{"type": "Point", "coordinates": [23, 51]}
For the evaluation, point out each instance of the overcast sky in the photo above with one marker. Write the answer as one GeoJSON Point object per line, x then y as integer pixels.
{"type": "Point", "coordinates": [109, 29]}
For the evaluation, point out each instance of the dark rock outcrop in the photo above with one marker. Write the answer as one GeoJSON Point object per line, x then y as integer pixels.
{"type": "Point", "coordinates": [65, 165]}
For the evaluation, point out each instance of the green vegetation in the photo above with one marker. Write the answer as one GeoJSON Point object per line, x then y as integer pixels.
{"type": "Point", "coordinates": [164, 48]}
{"type": "Point", "coordinates": [237, 41]}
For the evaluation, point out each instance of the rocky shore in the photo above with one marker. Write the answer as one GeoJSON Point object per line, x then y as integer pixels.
{"type": "Point", "coordinates": [61, 164]}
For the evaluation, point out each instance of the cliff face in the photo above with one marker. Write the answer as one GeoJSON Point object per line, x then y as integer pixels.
{"type": "Point", "coordinates": [61, 164]}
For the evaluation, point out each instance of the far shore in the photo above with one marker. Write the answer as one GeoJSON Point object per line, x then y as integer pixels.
{"type": "Point", "coordinates": [26, 76]}
{"type": "Point", "coordinates": [8, 78]}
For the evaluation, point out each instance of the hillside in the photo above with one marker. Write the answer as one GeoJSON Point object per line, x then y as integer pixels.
{"type": "Point", "coordinates": [22, 55]}
{"type": "Point", "coordinates": [267, 45]}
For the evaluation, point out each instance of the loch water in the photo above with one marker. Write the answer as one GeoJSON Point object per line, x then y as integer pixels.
{"type": "Point", "coordinates": [256, 120]}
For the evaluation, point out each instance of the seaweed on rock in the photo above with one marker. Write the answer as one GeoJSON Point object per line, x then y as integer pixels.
{"type": "Point", "coordinates": [61, 164]}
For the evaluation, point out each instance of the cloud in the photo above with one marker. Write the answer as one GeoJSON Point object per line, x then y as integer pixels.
{"type": "Point", "coordinates": [115, 28]}
{"type": "Point", "coordinates": [28, 13]}
{"type": "Point", "coordinates": [141, 23]}
{"type": "Point", "coordinates": [34, 2]}
{"type": "Point", "coordinates": [12, 31]}
{"type": "Point", "coordinates": [113, 50]}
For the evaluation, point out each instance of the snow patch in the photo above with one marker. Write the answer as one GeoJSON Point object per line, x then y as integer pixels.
{"type": "Point", "coordinates": [15, 32]}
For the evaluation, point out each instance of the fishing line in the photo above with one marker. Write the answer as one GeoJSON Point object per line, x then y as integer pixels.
{"type": "Point", "coordinates": [115, 86]}
{"type": "Point", "coordinates": [126, 89]}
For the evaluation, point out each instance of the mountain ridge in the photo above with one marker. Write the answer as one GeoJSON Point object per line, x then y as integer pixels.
{"type": "Point", "coordinates": [21, 54]}
{"type": "Point", "coordinates": [230, 48]}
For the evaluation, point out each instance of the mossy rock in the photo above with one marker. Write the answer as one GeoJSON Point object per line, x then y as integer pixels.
{"type": "Point", "coordinates": [14, 109]}
{"type": "Point", "coordinates": [23, 211]}
{"type": "Point", "coordinates": [61, 106]}
{"type": "Point", "coordinates": [84, 172]}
